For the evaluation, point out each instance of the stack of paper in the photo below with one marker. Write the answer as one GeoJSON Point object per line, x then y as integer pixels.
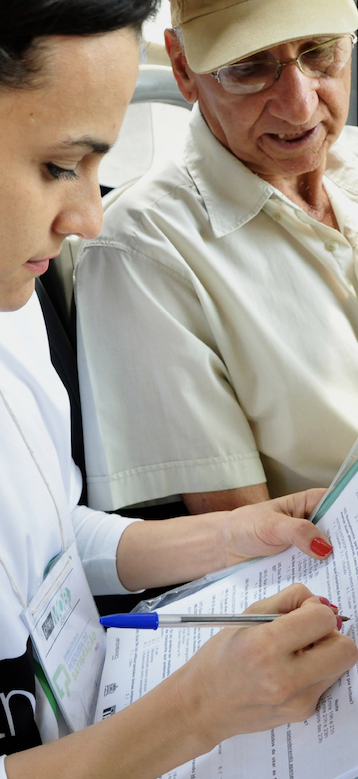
{"type": "Point", "coordinates": [324, 746]}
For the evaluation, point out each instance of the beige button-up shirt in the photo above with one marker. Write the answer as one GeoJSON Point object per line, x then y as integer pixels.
{"type": "Point", "coordinates": [217, 327]}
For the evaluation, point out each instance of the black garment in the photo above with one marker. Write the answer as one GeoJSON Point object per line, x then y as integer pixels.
{"type": "Point", "coordinates": [18, 729]}
{"type": "Point", "coordinates": [64, 360]}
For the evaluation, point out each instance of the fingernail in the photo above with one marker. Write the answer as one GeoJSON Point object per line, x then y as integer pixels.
{"type": "Point", "coordinates": [333, 606]}
{"type": "Point", "coordinates": [321, 547]}
{"type": "Point", "coordinates": [339, 623]}
{"type": "Point", "coordinates": [325, 601]}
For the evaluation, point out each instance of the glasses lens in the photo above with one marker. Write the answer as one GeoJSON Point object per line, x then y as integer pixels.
{"type": "Point", "coordinates": [252, 76]}
{"type": "Point", "coordinates": [248, 77]}
{"type": "Point", "coordinates": [327, 58]}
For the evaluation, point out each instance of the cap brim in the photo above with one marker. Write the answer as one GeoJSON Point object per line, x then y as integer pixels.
{"type": "Point", "coordinates": [225, 36]}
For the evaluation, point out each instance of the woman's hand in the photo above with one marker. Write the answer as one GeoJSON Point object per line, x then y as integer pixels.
{"type": "Point", "coordinates": [246, 680]}
{"type": "Point", "coordinates": [153, 554]}
{"type": "Point", "coordinates": [268, 528]}
{"type": "Point", "coordinates": [238, 682]}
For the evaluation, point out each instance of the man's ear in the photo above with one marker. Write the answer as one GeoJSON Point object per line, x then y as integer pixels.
{"type": "Point", "coordinates": [182, 73]}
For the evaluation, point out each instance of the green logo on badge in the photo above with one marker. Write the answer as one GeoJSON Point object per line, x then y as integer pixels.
{"type": "Point", "coordinates": [62, 606]}
{"type": "Point", "coordinates": [61, 680]}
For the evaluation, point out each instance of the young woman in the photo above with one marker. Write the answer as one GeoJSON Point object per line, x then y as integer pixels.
{"type": "Point", "coordinates": [67, 72]}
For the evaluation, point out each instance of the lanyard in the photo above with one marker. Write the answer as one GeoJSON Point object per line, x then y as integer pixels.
{"type": "Point", "coordinates": [63, 623]}
{"type": "Point", "coordinates": [48, 487]}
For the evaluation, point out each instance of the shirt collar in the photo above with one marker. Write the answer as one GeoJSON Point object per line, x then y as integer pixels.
{"type": "Point", "coordinates": [232, 194]}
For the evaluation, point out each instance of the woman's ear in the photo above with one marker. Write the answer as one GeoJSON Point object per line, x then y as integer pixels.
{"type": "Point", "coordinates": [184, 77]}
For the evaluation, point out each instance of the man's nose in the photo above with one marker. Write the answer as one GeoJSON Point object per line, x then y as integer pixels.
{"type": "Point", "coordinates": [294, 96]}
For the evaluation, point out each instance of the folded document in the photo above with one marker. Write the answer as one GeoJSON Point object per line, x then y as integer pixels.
{"type": "Point", "coordinates": [324, 746]}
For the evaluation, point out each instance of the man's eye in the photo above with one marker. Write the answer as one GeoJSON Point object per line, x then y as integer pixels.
{"type": "Point", "coordinates": [60, 173]}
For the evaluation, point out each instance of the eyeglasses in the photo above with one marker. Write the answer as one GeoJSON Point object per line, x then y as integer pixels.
{"type": "Point", "coordinates": [256, 75]}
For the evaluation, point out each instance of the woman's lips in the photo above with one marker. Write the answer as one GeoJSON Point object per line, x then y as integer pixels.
{"type": "Point", "coordinates": [38, 266]}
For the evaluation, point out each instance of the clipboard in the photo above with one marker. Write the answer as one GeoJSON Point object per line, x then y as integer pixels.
{"type": "Point", "coordinates": [343, 476]}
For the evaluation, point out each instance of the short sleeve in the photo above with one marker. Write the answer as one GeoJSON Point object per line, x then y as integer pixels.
{"type": "Point", "coordinates": [160, 414]}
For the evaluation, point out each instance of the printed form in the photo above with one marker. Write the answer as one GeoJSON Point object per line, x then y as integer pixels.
{"type": "Point", "coordinates": [326, 745]}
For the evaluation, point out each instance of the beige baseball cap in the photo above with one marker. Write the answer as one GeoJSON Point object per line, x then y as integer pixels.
{"type": "Point", "coordinates": [218, 32]}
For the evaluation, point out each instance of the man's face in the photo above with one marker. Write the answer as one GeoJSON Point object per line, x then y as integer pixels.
{"type": "Point", "coordinates": [284, 131]}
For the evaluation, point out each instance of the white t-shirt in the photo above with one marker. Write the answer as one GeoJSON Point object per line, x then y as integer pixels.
{"type": "Point", "coordinates": [38, 481]}
{"type": "Point", "coordinates": [218, 322]}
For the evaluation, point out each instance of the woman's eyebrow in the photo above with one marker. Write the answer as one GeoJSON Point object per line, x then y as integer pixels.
{"type": "Point", "coordinates": [94, 146]}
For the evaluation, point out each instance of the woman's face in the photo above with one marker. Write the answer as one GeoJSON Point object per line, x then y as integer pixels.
{"type": "Point", "coordinates": [51, 142]}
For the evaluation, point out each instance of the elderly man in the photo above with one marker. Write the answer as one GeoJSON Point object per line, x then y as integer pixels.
{"type": "Point", "coordinates": [218, 312]}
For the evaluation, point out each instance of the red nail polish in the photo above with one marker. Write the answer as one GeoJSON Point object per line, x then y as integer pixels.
{"type": "Point", "coordinates": [321, 547]}
{"type": "Point", "coordinates": [325, 601]}
{"type": "Point", "coordinates": [333, 606]}
{"type": "Point", "coordinates": [339, 623]}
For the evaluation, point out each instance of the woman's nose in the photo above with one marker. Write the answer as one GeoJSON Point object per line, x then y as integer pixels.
{"type": "Point", "coordinates": [81, 215]}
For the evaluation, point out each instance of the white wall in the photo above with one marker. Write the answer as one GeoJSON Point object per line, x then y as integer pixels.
{"type": "Point", "coordinates": [153, 31]}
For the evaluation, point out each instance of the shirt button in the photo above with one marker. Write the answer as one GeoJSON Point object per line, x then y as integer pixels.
{"type": "Point", "coordinates": [277, 217]}
{"type": "Point", "coordinates": [331, 246]}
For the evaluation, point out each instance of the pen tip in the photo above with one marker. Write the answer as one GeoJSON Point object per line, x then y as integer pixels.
{"type": "Point", "coordinates": [345, 619]}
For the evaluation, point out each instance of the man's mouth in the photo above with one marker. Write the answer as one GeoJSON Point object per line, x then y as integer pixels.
{"type": "Point", "coordinates": [290, 137]}
{"type": "Point", "coordinates": [293, 137]}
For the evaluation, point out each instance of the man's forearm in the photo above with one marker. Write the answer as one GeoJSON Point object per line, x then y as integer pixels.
{"type": "Point", "coordinates": [225, 500]}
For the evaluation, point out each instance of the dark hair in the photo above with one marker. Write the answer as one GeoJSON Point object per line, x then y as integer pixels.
{"type": "Point", "coordinates": [24, 22]}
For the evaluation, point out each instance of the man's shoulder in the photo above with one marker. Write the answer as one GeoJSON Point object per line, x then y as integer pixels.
{"type": "Point", "coordinates": [162, 195]}
{"type": "Point", "coordinates": [160, 182]}
{"type": "Point", "coordinates": [147, 220]}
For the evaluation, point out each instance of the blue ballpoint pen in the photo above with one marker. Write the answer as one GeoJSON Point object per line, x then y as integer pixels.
{"type": "Point", "coordinates": [153, 620]}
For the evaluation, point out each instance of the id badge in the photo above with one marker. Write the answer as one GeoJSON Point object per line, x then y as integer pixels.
{"type": "Point", "coordinates": [64, 626]}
